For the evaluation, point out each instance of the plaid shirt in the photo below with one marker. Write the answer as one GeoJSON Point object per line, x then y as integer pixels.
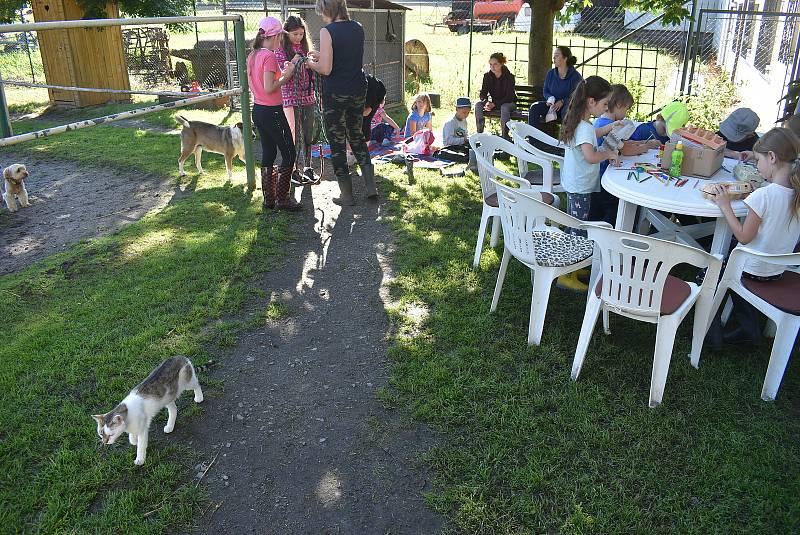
{"type": "Point", "coordinates": [293, 95]}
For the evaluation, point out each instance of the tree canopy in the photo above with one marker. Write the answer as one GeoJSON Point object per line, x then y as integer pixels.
{"type": "Point", "coordinates": [94, 9]}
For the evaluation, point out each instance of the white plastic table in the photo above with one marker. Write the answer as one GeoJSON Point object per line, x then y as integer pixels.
{"type": "Point", "coordinates": [652, 195]}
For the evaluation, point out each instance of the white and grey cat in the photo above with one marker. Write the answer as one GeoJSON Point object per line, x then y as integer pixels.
{"type": "Point", "coordinates": [160, 389]}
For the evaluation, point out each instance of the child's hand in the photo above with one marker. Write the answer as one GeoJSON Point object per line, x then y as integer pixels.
{"type": "Point", "coordinates": [721, 196]}
{"type": "Point", "coordinates": [746, 155]}
{"type": "Point", "coordinates": [288, 69]}
{"type": "Point", "coordinates": [489, 106]}
{"type": "Point", "coordinates": [653, 144]}
{"type": "Point", "coordinates": [614, 159]}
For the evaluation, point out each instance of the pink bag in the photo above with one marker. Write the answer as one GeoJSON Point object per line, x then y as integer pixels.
{"type": "Point", "coordinates": [420, 143]}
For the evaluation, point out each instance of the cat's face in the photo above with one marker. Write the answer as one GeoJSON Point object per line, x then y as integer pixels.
{"type": "Point", "coordinates": [109, 426]}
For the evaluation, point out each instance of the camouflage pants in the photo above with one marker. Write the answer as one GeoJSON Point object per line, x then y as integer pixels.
{"type": "Point", "coordinates": [343, 122]}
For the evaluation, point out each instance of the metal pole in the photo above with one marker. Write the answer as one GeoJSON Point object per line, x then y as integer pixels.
{"type": "Point", "coordinates": [241, 68]}
{"type": "Point", "coordinates": [228, 70]}
{"type": "Point", "coordinates": [5, 121]}
{"type": "Point", "coordinates": [27, 46]}
{"type": "Point", "coordinates": [113, 117]}
{"type": "Point", "coordinates": [101, 23]}
{"type": "Point", "coordinates": [469, 56]}
{"type": "Point", "coordinates": [375, 37]}
{"type": "Point", "coordinates": [688, 45]}
{"type": "Point", "coordinates": [106, 90]}
{"type": "Point", "coordinates": [694, 52]}
{"type": "Point", "coordinates": [194, 12]}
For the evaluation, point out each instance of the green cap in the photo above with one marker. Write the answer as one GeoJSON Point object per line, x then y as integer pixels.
{"type": "Point", "coordinates": [675, 115]}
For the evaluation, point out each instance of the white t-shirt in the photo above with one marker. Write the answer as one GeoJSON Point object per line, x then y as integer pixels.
{"type": "Point", "coordinates": [578, 175]}
{"type": "Point", "coordinates": [778, 232]}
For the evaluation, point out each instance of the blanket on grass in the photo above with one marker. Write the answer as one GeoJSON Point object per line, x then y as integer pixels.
{"type": "Point", "coordinates": [381, 154]}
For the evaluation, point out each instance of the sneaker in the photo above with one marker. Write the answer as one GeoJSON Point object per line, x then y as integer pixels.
{"type": "Point", "coordinates": [297, 178]}
{"type": "Point", "coordinates": [309, 178]}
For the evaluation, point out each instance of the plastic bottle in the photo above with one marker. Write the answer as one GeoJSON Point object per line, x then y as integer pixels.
{"type": "Point", "coordinates": [677, 160]}
{"type": "Point", "coordinates": [661, 152]}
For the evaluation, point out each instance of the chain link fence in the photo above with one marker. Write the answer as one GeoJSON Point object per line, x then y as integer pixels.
{"type": "Point", "coordinates": [622, 46]}
{"type": "Point", "coordinates": [727, 54]}
{"type": "Point", "coordinates": [153, 59]}
{"type": "Point", "coordinates": [441, 47]}
{"type": "Point", "coordinates": [755, 52]}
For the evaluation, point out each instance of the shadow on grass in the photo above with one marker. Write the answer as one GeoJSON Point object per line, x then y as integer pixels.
{"type": "Point", "coordinates": [84, 326]}
{"type": "Point", "coordinates": [531, 451]}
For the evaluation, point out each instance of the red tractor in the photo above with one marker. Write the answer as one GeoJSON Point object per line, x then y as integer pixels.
{"type": "Point", "coordinates": [487, 15]}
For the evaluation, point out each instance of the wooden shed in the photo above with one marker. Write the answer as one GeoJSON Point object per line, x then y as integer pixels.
{"type": "Point", "coordinates": [384, 38]}
{"type": "Point", "coordinates": [81, 57]}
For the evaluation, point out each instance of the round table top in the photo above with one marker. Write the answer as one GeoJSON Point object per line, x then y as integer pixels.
{"type": "Point", "coordinates": [652, 193]}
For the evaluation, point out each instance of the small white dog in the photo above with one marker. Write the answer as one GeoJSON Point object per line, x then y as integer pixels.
{"type": "Point", "coordinates": [14, 177]}
{"type": "Point", "coordinates": [197, 136]}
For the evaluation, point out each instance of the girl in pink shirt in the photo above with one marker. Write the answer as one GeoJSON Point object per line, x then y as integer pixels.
{"type": "Point", "coordinates": [266, 78]}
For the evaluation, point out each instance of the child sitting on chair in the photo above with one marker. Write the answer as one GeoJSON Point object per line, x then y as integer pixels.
{"type": "Point", "coordinates": [672, 116]}
{"type": "Point", "coordinates": [739, 130]}
{"type": "Point", "coordinates": [772, 225]}
{"type": "Point", "coordinates": [603, 204]}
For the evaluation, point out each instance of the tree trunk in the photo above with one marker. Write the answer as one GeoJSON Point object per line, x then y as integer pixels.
{"type": "Point", "coordinates": [540, 39]}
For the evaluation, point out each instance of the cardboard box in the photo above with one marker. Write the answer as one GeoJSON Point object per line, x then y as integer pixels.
{"type": "Point", "coordinates": [697, 161]}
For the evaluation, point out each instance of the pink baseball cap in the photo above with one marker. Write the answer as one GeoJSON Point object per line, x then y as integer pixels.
{"type": "Point", "coordinates": [271, 26]}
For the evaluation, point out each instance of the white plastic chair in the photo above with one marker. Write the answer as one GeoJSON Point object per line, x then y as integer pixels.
{"type": "Point", "coordinates": [543, 248]}
{"type": "Point", "coordinates": [636, 284]}
{"type": "Point", "coordinates": [484, 145]}
{"type": "Point", "coordinates": [779, 300]}
{"type": "Point", "coordinates": [551, 175]}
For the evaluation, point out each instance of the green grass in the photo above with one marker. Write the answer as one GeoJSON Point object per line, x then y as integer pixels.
{"type": "Point", "coordinates": [83, 327]}
{"type": "Point", "coordinates": [525, 449]}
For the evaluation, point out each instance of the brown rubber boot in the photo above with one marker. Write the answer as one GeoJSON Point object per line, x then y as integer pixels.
{"type": "Point", "coordinates": [284, 198]}
{"type": "Point", "coordinates": [268, 186]}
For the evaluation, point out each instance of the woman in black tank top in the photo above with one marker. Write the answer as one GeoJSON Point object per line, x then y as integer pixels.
{"type": "Point", "coordinates": [344, 88]}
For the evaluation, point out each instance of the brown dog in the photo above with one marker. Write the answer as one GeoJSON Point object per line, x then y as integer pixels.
{"type": "Point", "coordinates": [197, 136]}
{"type": "Point", "coordinates": [14, 177]}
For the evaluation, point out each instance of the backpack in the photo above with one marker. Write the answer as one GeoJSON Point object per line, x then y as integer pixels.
{"type": "Point", "coordinates": [420, 143]}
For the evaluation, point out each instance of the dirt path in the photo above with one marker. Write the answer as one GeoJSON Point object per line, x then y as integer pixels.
{"type": "Point", "coordinates": [70, 203]}
{"type": "Point", "coordinates": [302, 444]}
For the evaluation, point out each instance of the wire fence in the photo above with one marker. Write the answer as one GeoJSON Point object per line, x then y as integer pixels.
{"type": "Point", "coordinates": [139, 60]}
{"type": "Point", "coordinates": [756, 51]}
{"type": "Point", "coordinates": [428, 46]}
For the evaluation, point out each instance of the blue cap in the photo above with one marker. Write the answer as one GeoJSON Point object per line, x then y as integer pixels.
{"type": "Point", "coordinates": [463, 102]}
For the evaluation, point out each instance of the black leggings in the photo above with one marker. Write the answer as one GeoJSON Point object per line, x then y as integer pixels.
{"type": "Point", "coordinates": [273, 129]}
